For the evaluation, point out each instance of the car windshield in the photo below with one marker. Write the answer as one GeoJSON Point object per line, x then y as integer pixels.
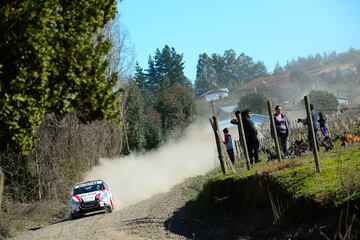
{"type": "Point", "coordinates": [89, 188]}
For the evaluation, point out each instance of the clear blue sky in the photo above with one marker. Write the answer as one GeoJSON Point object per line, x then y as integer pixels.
{"type": "Point", "coordinates": [268, 31]}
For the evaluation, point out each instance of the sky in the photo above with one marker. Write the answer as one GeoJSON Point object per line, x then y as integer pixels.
{"type": "Point", "coordinates": [268, 31]}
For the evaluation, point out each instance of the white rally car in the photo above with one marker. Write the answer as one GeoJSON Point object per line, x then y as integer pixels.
{"type": "Point", "coordinates": [90, 197]}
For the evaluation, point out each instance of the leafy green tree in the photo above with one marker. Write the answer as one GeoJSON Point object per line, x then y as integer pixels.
{"type": "Point", "coordinates": [134, 117]}
{"type": "Point", "coordinates": [255, 101]}
{"type": "Point", "coordinates": [141, 82]}
{"type": "Point", "coordinates": [166, 69]}
{"type": "Point", "coordinates": [177, 107]}
{"type": "Point", "coordinates": [53, 61]}
{"type": "Point", "coordinates": [323, 101]}
{"type": "Point", "coordinates": [205, 75]}
{"type": "Point", "coordinates": [227, 70]}
{"type": "Point", "coordinates": [172, 94]}
{"type": "Point", "coordinates": [153, 130]}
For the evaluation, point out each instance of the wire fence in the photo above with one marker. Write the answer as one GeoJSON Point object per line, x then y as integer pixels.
{"type": "Point", "coordinates": [344, 121]}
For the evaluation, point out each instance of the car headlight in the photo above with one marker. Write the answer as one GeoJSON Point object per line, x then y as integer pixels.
{"type": "Point", "coordinates": [102, 196]}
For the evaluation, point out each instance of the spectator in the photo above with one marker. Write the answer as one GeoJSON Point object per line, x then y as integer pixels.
{"type": "Point", "coordinates": [252, 140]}
{"type": "Point", "coordinates": [282, 129]}
{"type": "Point", "coordinates": [323, 125]}
{"type": "Point", "coordinates": [229, 145]}
{"type": "Point", "coordinates": [314, 117]}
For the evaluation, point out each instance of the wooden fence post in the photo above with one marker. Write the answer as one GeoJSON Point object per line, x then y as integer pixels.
{"type": "Point", "coordinates": [242, 139]}
{"type": "Point", "coordinates": [214, 126]}
{"type": "Point", "coordinates": [273, 131]}
{"type": "Point", "coordinates": [1, 185]}
{"type": "Point", "coordinates": [312, 133]}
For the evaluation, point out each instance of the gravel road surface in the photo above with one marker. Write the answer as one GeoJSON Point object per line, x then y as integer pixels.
{"type": "Point", "coordinates": [146, 220]}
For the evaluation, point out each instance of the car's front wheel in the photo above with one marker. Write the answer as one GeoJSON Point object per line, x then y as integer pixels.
{"type": "Point", "coordinates": [109, 209]}
{"type": "Point", "coordinates": [74, 216]}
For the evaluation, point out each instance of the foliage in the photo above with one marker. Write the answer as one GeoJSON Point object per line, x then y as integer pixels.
{"type": "Point", "coordinates": [67, 148]}
{"type": "Point", "coordinates": [64, 150]}
{"type": "Point", "coordinates": [227, 70]}
{"type": "Point", "coordinates": [177, 107]}
{"type": "Point", "coordinates": [153, 130]}
{"type": "Point", "coordinates": [323, 101]}
{"type": "Point", "coordinates": [141, 81]}
{"type": "Point", "coordinates": [168, 95]}
{"type": "Point", "coordinates": [53, 61]}
{"type": "Point", "coordinates": [315, 62]}
{"type": "Point", "coordinates": [254, 101]}
{"type": "Point", "coordinates": [134, 117]}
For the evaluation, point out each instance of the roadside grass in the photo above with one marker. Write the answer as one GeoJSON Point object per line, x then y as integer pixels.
{"type": "Point", "coordinates": [337, 182]}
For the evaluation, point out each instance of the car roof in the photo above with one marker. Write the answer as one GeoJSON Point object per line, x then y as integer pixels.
{"type": "Point", "coordinates": [88, 183]}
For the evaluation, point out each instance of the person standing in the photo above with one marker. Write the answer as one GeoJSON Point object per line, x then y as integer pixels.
{"type": "Point", "coordinates": [323, 126]}
{"type": "Point", "coordinates": [229, 145]}
{"type": "Point", "coordinates": [282, 129]}
{"type": "Point", "coordinates": [252, 140]}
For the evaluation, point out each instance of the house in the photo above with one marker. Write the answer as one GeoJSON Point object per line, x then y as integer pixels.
{"type": "Point", "coordinates": [264, 82]}
{"type": "Point", "coordinates": [215, 94]}
{"type": "Point", "coordinates": [342, 100]}
{"type": "Point", "coordinates": [331, 71]}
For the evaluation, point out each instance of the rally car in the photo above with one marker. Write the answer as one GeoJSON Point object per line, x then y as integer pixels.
{"type": "Point", "coordinates": [90, 196]}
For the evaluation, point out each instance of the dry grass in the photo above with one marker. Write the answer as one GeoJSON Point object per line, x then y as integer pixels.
{"type": "Point", "coordinates": [23, 216]}
{"type": "Point", "coordinates": [274, 166]}
{"type": "Point", "coordinates": [67, 148]}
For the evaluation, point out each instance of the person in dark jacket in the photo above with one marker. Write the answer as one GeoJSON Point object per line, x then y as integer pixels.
{"type": "Point", "coordinates": [252, 140]}
{"type": "Point", "coordinates": [229, 145]}
{"type": "Point", "coordinates": [314, 117]}
{"type": "Point", "coordinates": [282, 129]}
{"type": "Point", "coordinates": [323, 125]}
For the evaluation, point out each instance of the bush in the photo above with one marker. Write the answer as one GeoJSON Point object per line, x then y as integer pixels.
{"type": "Point", "coordinates": [255, 101]}
{"type": "Point", "coordinates": [64, 150]}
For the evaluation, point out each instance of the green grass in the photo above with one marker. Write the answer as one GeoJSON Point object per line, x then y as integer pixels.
{"type": "Point", "coordinates": [337, 182]}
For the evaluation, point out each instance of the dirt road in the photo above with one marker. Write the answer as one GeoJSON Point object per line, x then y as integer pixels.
{"type": "Point", "coordinates": [145, 220]}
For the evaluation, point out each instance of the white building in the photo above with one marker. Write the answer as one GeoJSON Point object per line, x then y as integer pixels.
{"type": "Point", "coordinates": [215, 94]}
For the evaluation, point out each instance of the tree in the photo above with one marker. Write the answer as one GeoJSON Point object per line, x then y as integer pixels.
{"type": "Point", "coordinates": [205, 75]}
{"type": "Point", "coordinates": [227, 70]}
{"type": "Point", "coordinates": [254, 101]}
{"type": "Point", "coordinates": [323, 101]}
{"type": "Point", "coordinates": [141, 82]}
{"type": "Point", "coordinates": [53, 60]}
{"type": "Point", "coordinates": [176, 107]}
{"type": "Point", "coordinates": [122, 54]}
{"type": "Point", "coordinates": [134, 117]}
{"type": "Point", "coordinates": [153, 131]}
{"type": "Point", "coordinates": [171, 91]}
{"type": "Point", "coordinates": [166, 69]}
{"type": "Point", "coordinates": [277, 69]}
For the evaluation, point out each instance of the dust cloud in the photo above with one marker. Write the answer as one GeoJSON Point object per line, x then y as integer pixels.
{"type": "Point", "coordinates": [140, 176]}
